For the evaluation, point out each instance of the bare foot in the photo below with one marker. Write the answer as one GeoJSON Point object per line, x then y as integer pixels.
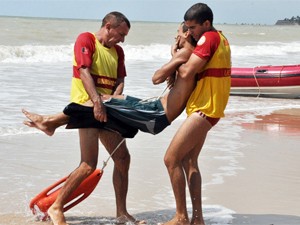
{"type": "Point", "coordinates": [57, 216]}
{"type": "Point", "coordinates": [198, 221]}
{"type": "Point", "coordinates": [178, 221]}
{"type": "Point", "coordinates": [38, 121]}
{"type": "Point", "coordinates": [128, 218]}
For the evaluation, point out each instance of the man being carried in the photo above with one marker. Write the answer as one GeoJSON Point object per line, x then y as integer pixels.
{"type": "Point", "coordinates": [127, 111]}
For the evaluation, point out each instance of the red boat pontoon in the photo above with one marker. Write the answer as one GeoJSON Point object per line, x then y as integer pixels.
{"type": "Point", "coordinates": [266, 81]}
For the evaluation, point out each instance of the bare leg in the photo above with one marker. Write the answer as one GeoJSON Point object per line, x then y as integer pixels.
{"type": "Point", "coordinates": [89, 158]}
{"type": "Point", "coordinates": [193, 175]}
{"type": "Point", "coordinates": [120, 174]}
{"type": "Point", "coordinates": [177, 178]}
{"type": "Point", "coordinates": [45, 123]}
{"type": "Point", "coordinates": [184, 150]}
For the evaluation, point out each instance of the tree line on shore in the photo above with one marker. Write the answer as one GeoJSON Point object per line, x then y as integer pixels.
{"type": "Point", "coordinates": [293, 20]}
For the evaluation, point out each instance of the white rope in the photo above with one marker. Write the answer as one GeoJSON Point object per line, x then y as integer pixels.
{"type": "Point", "coordinates": [166, 88]}
{"type": "Point", "coordinates": [256, 82]}
{"type": "Point", "coordinates": [156, 98]}
{"type": "Point", "coordinates": [105, 162]}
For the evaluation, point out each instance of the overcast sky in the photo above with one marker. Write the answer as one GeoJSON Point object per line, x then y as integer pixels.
{"type": "Point", "coordinates": [225, 11]}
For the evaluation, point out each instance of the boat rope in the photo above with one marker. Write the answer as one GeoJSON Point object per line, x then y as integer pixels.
{"type": "Point", "coordinates": [105, 162]}
{"type": "Point", "coordinates": [258, 94]}
{"type": "Point", "coordinates": [281, 72]}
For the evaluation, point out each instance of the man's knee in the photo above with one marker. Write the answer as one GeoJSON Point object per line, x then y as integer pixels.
{"type": "Point", "coordinates": [88, 168]}
{"type": "Point", "coordinates": [122, 158]}
{"type": "Point", "coordinates": [110, 141]}
{"type": "Point", "coordinates": [170, 161]}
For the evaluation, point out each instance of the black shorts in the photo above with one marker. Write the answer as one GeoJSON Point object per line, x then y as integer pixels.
{"type": "Point", "coordinates": [125, 116]}
{"type": "Point", "coordinates": [83, 117]}
{"type": "Point", "coordinates": [147, 116]}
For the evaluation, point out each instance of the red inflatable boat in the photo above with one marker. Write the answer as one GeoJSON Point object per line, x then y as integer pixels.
{"type": "Point", "coordinates": [266, 81]}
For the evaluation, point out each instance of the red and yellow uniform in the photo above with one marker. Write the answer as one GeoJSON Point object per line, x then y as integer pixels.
{"type": "Point", "coordinates": [211, 93]}
{"type": "Point", "coordinates": [105, 64]}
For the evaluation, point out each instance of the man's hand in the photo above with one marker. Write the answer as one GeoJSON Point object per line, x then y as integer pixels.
{"type": "Point", "coordinates": [100, 111]}
{"type": "Point", "coordinates": [89, 85]}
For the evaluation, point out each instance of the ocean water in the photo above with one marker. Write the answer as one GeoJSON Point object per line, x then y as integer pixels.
{"type": "Point", "coordinates": [36, 54]}
{"type": "Point", "coordinates": [36, 70]}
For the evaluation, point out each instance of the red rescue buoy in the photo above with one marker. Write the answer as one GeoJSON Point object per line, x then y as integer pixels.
{"type": "Point", "coordinates": [40, 204]}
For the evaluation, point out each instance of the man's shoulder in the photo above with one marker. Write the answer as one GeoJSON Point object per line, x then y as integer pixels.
{"type": "Point", "coordinates": [209, 39]}
{"type": "Point", "coordinates": [212, 34]}
{"type": "Point", "coordinates": [86, 36]}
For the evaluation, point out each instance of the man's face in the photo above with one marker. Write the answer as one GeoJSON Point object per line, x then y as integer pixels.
{"type": "Point", "coordinates": [196, 30]}
{"type": "Point", "coordinates": [181, 36]}
{"type": "Point", "coordinates": [116, 34]}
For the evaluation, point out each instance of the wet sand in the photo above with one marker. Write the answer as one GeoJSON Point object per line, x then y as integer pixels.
{"type": "Point", "coordinates": [266, 188]}
{"type": "Point", "coordinates": [261, 186]}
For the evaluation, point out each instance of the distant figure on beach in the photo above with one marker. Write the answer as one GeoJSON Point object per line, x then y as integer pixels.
{"type": "Point", "coordinates": [171, 104]}
{"type": "Point", "coordinates": [210, 65]}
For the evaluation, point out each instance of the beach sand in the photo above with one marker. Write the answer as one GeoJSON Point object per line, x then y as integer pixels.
{"type": "Point", "coordinates": [260, 185]}
{"type": "Point", "coordinates": [266, 190]}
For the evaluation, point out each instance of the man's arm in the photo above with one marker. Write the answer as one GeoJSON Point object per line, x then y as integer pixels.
{"type": "Point", "coordinates": [119, 87]}
{"type": "Point", "coordinates": [194, 65]}
{"type": "Point", "coordinates": [88, 83]}
{"type": "Point", "coordinates": [180, 57]}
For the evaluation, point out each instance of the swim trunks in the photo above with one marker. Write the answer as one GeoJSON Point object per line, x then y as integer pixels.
{"type": "Point", "coordinates": [83, 117]}
{"type": "Point", "coordinates": [125, 116]}
{"type": "Point", "coordinates": [147, 116]}
{"type": "Point", "coordinates": [211, 120]}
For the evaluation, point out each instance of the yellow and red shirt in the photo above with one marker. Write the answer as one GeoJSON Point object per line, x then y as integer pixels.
{"type": "Point", "coordinates": [106, 66]}
{"type": "Point", "coordinates": [211, 93]}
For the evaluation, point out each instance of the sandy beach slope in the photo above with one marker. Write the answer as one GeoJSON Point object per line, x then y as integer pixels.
{"type": "Point", "coordinates": [266, 188]}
